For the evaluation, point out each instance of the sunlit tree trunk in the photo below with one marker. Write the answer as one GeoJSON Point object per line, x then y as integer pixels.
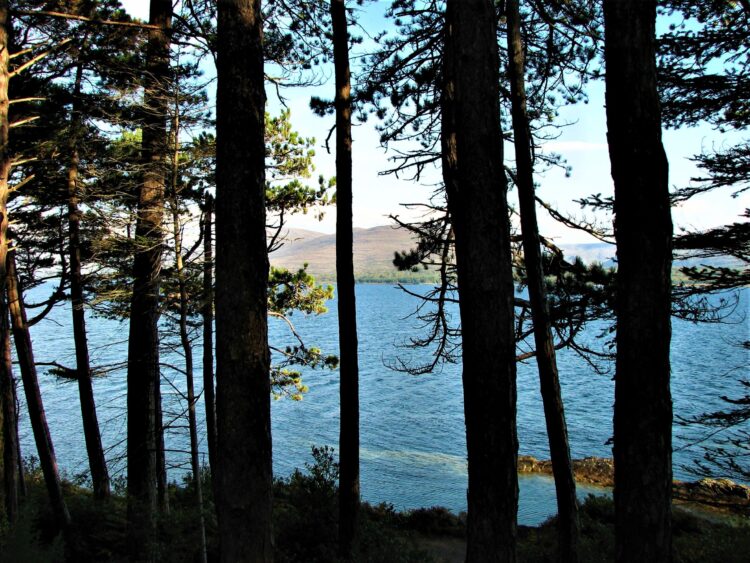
{"type": "Point", "coordinates": [554, 412]}
{"type": "Point", "coordinates": [42, 438]}
{"type": "Point", "coordinates": [92, 435]}
{"type": "Point", "coordinates": [349, 369]}
{"type": "Point", "coordinates": [643, 231]}
{"type": "Point", "coordinates": [476, 189]}
{"type": "Point", "coordinates": [145, 440]}
{"type": "Point", "coordinates": [243, 391]}
{"type": "Point", "coordinates": [5, 375]}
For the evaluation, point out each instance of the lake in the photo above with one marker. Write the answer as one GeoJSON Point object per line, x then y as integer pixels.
{"type": "Point", "coordinates": [412, 431]}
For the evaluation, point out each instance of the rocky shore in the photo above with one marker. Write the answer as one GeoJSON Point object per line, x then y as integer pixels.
{"type": "Point", "coordinates": [718, 494]}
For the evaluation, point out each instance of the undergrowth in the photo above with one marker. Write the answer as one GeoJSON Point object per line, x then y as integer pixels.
{"type": "Point", "coordinates": [306, 522]}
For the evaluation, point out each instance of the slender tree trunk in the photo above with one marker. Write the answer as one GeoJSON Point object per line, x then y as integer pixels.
{"type": "Point", "coordinates": [144, 399]}
{"type": "Point", "coordinates": [349, 368]}
{"type": "Point", "coordinates": [643, 231]}
{"type": "Point", "coordinates": [476, 189]}
{"type": "Point", "coordinates": [162, 485]}
{"type": "Point", "coordinates": [8, 420]}
{"type": "Point", "coordinates": [38, 419]}
{"type": "Point", "coordinates": [554, 412]}
{"type": "Point", "coordinates": [243, 393]}
{"type": "Point", "coordinates": [187, 347]}
{"type": "Point", "coordinates": [208, 328]}
{"type": "Point", "coordinates": [97, 462]}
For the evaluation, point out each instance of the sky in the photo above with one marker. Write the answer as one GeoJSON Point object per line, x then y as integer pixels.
{"type": "Point", "coordinates": [582, 143]}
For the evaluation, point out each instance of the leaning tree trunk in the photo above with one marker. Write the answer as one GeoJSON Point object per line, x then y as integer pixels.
{"type": "Point", "coordinates": [144, 400]}
{"type": "Point", "coordinates": [643, 231]}
{"type": "Point", "coordinates": [243, 390]}
{"type": "Point", "coordinates": [554, 413]}
{"type": "Point", "coordinates": [476, 189]}
{"type": "Point", "coordinates": [25, 355]}
{"type": "Point", "coordinates": [92, 435]}
{"type": "Point", "coordinates": [207, 312]}
{"type": "Point", "coordinates": [349, 369]}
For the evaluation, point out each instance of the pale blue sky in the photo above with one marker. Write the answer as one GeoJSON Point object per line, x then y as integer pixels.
{"type": "Point", "coordinates": [583, 144]}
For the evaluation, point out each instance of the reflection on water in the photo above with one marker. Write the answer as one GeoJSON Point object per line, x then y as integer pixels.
{"type": "Point", "coordinates": [412, 432]}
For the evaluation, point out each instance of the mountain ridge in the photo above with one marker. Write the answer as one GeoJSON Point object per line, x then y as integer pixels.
{"type": "Point", "coordinates": [374, 250]}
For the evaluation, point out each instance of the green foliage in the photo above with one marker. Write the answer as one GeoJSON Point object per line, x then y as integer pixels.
{"type": "Point", "coordinates": [306, 519]}
{"type": "Point", "coordinates": [289, 292]}
{"type": "Point", "coordinates": [22, 542]}
{"type": "Point", "coordinates": [695, 539]}
{"type": "Point", "coordinates": [306, 511]}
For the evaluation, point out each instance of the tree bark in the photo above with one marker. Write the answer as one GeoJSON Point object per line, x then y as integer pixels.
{"type": "Point", "coordinates": [243, 393]}
{"type": "Point", "coordinates": [5, 375]}
{"type": "Point", "coordinates": [144, 399]}
{"type": "Point", "coordinates": [554, 412]}
{"type": "Point", "coordinates": [476, 189]}
{"type": "Point", "coordinates": [643, 231]}
{"type": "Point", "coordinates": [25, 355]}
{"type": "Point", "coordinates": [347, 309]}
{"type": "Point", "coordinates": [8, 421]}
{"type": "Point", "coordinates": [208, 328]}
{"type": "Point", "coordinates": [92, 435]}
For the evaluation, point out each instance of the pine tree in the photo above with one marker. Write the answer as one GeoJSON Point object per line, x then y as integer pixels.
{"type": "Point", "coordinates": [643, 230]}
{"type": "Point", "coordinates": [244, 473]}
{"type": "Point", "coordinates": [475, 183]}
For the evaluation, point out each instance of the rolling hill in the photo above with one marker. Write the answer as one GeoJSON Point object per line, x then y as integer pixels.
{"type": "Point", "coordinates": [373, 254]}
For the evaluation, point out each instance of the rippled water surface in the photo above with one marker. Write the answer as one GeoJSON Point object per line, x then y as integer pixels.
{"type": "Point", "coordinates": [413, 443]}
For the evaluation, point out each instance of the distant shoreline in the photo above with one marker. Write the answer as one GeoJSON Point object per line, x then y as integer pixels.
{"type": "Point", "coordinates": [717, 495]}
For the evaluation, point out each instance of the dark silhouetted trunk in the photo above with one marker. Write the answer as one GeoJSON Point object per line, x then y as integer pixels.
{"type": "Point", "coordinates": [8, 421]}
{"type": "Point", "coordinates": [208, 328]}
{"type": "Point", "coordinates": [643, 230]}
{"type": "Point", "coordinates": [97, 462]}
{"type": "Point", "coordinates": [348, 369]}
{"type": "Point", "coordinates": [554, 413]}
{"type": "Point", "coordinates": [145, 440]}
{"type": "Point", "coordinates": [187, 347]}
{"type": "Point", "coordinates": [243, 389]}
{"type": "Point", "coordinates": [38, 419]}
{"type": "Point", "coordinates": [476, 189]}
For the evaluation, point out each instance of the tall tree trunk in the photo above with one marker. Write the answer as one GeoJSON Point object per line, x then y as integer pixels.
{"type": "Point", "coordinates": [38, 419]}
{"type": "Point", "coordinates": [643, 231]}
{"type": "Point", "coordinates": [8, 421]}
{"type": "Point", "coordinates": [187, 347]}
{"type": "Point", "coordinates": [243, 393]}
{"type": "Point", "coordinates": [144, 399]}
{"type": "Point", "coordinates": [476, 189]}
{"type": "Point", "coordinates": [5, 162]}
{"type": "Point", "coordinates": [97, 462]}
{"type": "Point", "coordinates": [554, 412]}
{"type": "Point", "coordinates": [349, 368]}
{"type": "Point", "coordinates": [208, 328]}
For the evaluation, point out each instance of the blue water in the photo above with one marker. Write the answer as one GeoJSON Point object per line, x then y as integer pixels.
{"type": "Point", "coordinates": [412, 433]}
